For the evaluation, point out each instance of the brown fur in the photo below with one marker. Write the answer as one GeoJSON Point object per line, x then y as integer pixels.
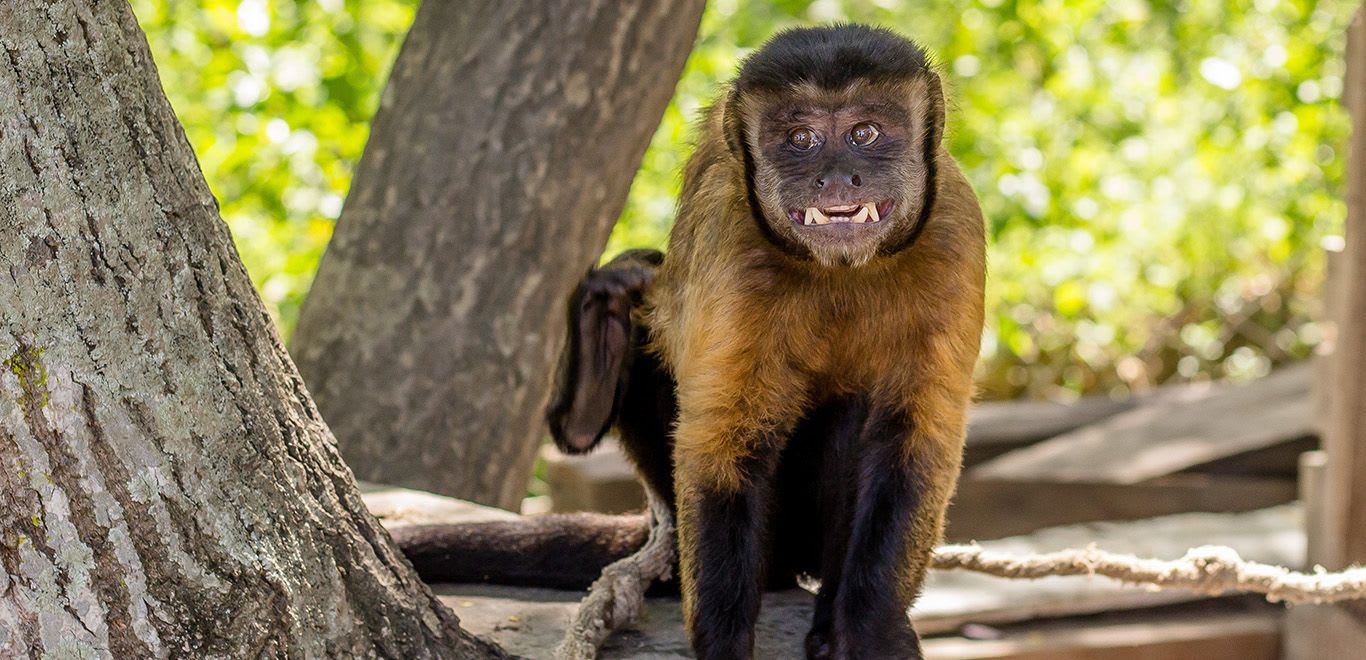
{"type": "Point", "coordinates": [754, 335]}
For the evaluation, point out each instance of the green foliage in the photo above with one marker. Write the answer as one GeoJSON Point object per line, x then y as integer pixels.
{"type": "Point", "coordinates": [1158, 176]}
{"type": "Point", "coordinates": [276, 97]}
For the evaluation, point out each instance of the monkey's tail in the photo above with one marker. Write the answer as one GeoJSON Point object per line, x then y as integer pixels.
{"type": "Point", "coordinates": [559, 551]}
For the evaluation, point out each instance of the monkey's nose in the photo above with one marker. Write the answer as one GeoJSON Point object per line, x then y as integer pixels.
{"type": "Point", "coordinates": [851, 180]}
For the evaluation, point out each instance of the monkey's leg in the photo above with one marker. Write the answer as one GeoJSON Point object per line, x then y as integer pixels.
{"type": "Point", "coordinates": [737, 407]}
{"type": "Point", "coordinates": [723, 531]}
{"type": "Point", "coordinates": [904, 482]}
{"type": "Point", "coordinates": [839, 438]}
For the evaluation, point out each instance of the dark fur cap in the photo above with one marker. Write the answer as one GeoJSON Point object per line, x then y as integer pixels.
{"type": "Point", "coordinates": [831, 57]}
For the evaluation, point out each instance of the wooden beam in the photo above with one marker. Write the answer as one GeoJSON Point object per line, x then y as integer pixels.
{"type": "Point", "coordinates": [978, 513]}
{"type": "Point", "coordinates": [1339, 525]}
{"type": "Point", "coordinates": [996, 427]}
{"type": "Point", "coordinates": [1174, 434]}
{"type": "Point", "coordinates": [1345, 432]}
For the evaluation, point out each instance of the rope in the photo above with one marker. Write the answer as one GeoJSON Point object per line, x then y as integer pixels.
{"type": "Point", "coordinates": [1211, 570]}
{"type": "Point", "coordinates": [617, 597]}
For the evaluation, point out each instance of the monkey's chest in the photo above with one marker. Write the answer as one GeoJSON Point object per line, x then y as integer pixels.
{"type": "Point", "coordinates": [848, 347]}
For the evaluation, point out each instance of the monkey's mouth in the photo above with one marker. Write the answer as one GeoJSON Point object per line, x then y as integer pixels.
{"type": "Point", "coordinates": [865, 213]}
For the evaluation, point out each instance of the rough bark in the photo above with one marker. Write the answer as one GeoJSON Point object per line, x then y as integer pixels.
{"type": "Point", "coordinates": [167, 487]}
{"type": "Point", "coordinates": [499, 159]}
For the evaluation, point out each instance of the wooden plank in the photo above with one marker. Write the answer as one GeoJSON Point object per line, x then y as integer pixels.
{"type": "Point", "coordinates": [995, 427]}
{"type": "Point", "coordinates": [977, 512]}
{"type": "Point", "coordinates": [1280, 461]}
{"type": "Point", "coordinates": [1208, 424]}
{"type": "Point", "coordinates": [1207, 633]}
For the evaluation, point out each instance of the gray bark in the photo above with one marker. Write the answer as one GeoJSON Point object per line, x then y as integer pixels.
{"type": "Point", "coordinates": [167, 487]}
{"type": "Point", "coordinates": [498, 162]}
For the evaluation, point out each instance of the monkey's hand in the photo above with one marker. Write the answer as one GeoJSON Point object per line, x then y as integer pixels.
{"type": "Point", "coordinates": [601, 343]}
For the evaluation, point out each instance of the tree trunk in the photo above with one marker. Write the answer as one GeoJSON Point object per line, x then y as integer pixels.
{"type": "Point", "coordinates": [167, 487]}
{"type": "Point", "coordinates": [497, 164]}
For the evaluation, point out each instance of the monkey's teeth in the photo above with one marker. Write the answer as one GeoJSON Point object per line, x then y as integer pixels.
{"type": "Point", "coordinates": [871, 208]}
{"type": "Point", "coordinates": [810, 214]}
{"type": "Point", "coordinates": [860, 217]}
{"type": "Point", "coordinates": [815, 216]}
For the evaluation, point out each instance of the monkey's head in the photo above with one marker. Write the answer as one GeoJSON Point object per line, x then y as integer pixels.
{"type": "Point", "coordinates": [837, 128]}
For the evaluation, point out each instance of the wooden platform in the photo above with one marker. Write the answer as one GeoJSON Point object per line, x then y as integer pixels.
{"type": "Point", "coordinates": [1067, 617]}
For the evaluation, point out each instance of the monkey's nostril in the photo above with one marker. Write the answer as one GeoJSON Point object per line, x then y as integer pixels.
{"type": "Point", "coordinates": [820, 183]}
{"type": "Point", "coordinates": [855, 181]}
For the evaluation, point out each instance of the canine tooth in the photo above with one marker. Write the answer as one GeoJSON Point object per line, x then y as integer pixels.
{"type": "Point", "coordinates": [861, 216]}
{"type": "Point", "coordinates": [872, 212]}
{"type": "Point", "coordinates": [810, 215]}
{"type": "Point", "coordinates": [821, 219]}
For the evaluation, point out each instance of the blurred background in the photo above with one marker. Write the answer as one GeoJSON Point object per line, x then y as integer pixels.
{"type": "Point", "coordinates": [1157, 176]}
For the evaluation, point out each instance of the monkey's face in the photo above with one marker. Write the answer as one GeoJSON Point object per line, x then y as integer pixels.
{"type": "Point", "coordinates": [844, 175]}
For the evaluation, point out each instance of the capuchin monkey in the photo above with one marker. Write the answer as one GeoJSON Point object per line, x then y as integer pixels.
{"type": "Point", "coordinates": [792, 378]}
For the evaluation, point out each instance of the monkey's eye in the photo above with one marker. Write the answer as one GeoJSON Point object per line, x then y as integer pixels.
{"type": "Point", "coordinates": [862, 135]}
{"type": "Point", "coordinates": [803, 138]}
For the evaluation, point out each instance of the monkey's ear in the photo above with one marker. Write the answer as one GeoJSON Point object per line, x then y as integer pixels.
{"type": "Point", "coordinates": [934, 119]}
{"type": "Point", "coordinates": [733, 124]}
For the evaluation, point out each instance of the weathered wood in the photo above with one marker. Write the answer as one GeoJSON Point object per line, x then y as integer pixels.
{"type": "Point", "coordinates": [1341, 528]}
{"type": "Point", "coordinates": [1279, 461]}
{"type": "Point", "coordinates": [1334, 289]}
{"type": "Point", "coordinates": [395, 507]}
{"type": "Point", "coordinates": [499, 159]}
{"type": "Point", "coordinates": [167, 488]}
{"type": "Point", "coordinates": [1345, 433]}
{"type": "Point", "coordinates": [1206, 425]}
{"type": "Point", "coordinates": [990, 509]}
{"type": "Point", "coordinates": [1303, 623]}
{"type": "Point", "coordinates": [995, 427]}
{"type": "Point", "coordinates": [1207, 631]}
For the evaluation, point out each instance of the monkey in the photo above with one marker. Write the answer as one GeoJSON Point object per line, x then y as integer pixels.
{"type": "Point", "coordinates": [792, 375]}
